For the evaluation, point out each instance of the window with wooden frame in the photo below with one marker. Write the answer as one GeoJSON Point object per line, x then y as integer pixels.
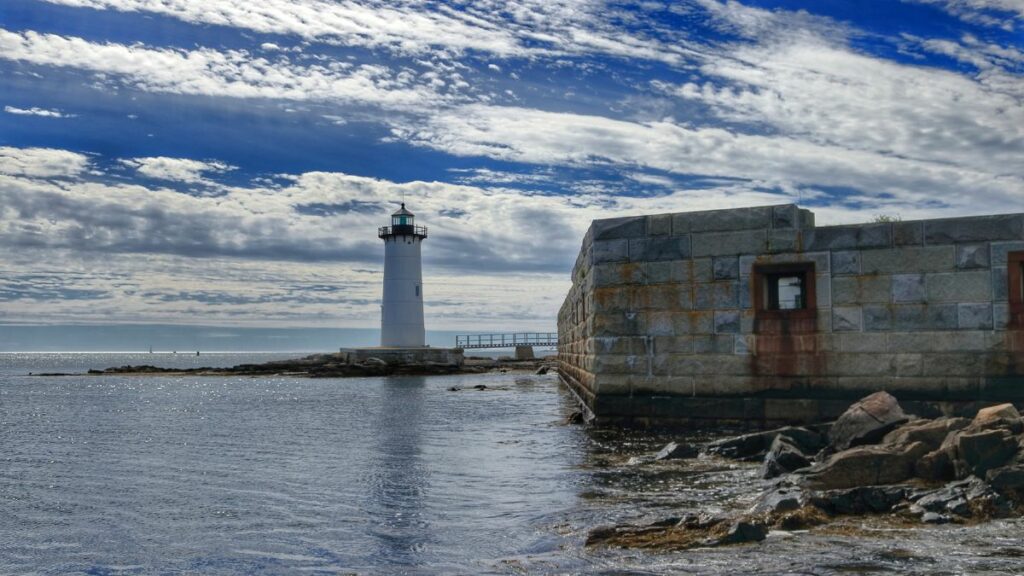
{"type": "Point", "coordinates": [1015, 278]}
{"type": "Point", "coordinates": [784, 298]}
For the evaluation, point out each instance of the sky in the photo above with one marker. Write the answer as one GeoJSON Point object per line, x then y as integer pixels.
{"type": "Point", "coordinates": [226, 163]}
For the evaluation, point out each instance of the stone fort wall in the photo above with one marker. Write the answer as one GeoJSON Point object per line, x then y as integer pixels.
{"type": "Point", "coordinates": [669, 320]}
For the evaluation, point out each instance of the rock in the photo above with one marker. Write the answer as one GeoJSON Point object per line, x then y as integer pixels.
{"type": "Point", "coordinates": [542, 370]}
{"type": "Point", "coordinates": [373, 361]}
{"type": "Point", "coordinates": [701, 521]}
{"type": "Point", "coordinates": [860, 500]}
{"type": "Point", "coordinates": [965, 498]}
{"type": "Point", "coordinates": [577, 417]}
{"type": "Point", "coordinates": [867, 421]}
{"type": "Point", "coordinates": [779, 500]}
{"type": "Point", "coordinates": [931, 432]}
{"type": "Point", "coordinates": [866, 466]}
{"type": "Point", "coordinates": [936, 465]}
{"type": "Point", "coordinates": [934, 518]}
{"type": "Point", "coordinates": [1006, 478]}
{"type": "Point", "coordinates": [674, 451]}
{"type": "Point", "coordinates": [783, 457]}
{"type": "Point", "coordinates": [754, 446]}
{"type": "Point", "coordinates": [454, 389]}
{"type": "Point", "coordinates": [980, 452]}
{"type": "Point", "coordinates": [999, 416]}
{"type": "Point", "coordinates": [480, 387]}
{"type": "Point", "coordinates": [743, 531]}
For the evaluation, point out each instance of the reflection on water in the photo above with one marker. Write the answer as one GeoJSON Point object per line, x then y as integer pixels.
{"type": "Point", "coordinates": [140, 475]}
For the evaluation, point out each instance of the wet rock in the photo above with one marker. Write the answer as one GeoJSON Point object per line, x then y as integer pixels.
{"type": "Point", "coordinates": [754, 446]}
{"type": "Point", "coordinates": [980, 452]}
{"type": "Point", "coordinates": [454, 389]}
{"type": "Point", "coordinates": [1006, 478]}
{"type": "Point", "coordinates": [702, 521]}
{"type": "Point", "coordinates": [372, 361]}
{"type": "Point", "coordinates": [742, 531]}
{"type": "Point", "coordinates": [866, 466]}
{"type": "Point", "coordinates": [860, 500]}
{"type": "Point", "coordinates": [971, 497]}
{"type": "Point", "coordinates": [480, 387]}
{"type": "Point", "coordinates": [780, 500]}
{"type": "Point", "coordinates": [999, 416]}
{"type": "Point", "coordinates": [931, 432]}
{"type": "Point", "coordinates": [934, 518]}
{"type": "Point", "coordinates": [674, 451]}
{"type": "Point", "coordinates": [867, 421]}
{"type": "Point", "coordinates": [542, 370]}
{"type": "Point", "coordinates": [577, 417]}
{"type": "Point", "coordinates": [783, 457]}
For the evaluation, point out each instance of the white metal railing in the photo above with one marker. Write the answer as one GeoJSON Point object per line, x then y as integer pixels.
{"type": "Point", "coordinates": [508, 340]}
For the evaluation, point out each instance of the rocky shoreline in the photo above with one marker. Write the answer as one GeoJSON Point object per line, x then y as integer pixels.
{"type": "Point", "coordinates": [874, 461]}
{"type": "Point", "coordinates": [337, 366]}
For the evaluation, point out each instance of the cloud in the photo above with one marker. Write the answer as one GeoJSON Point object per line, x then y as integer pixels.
{"type": "Point", "coordinates": [177, 169]}
{"type": "Point", "coordinates": [41, 162]}
{"type": "Point", "coordinates": [231, 73]}
{"type": "Point", "coordinates": [34, 111]}
{"type": "Point", "coordinates": [996, 13]}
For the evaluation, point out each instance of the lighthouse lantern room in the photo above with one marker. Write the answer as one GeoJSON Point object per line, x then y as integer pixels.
{"type": "Point", "coordinates": [401, 321]}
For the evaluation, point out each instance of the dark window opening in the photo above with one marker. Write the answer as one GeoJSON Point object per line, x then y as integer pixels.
{"type": "Point", "coordinates": [1015, 279]}
{"type": "Point", "coordinates": [417, 290]}
{"type": "Point", "coordinates": [783, 297]}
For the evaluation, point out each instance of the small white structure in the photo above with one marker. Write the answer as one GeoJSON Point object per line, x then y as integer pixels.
{"type": "Point", "coordinates": [401, 320]}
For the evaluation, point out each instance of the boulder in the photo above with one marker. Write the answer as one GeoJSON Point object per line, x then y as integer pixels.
{"type": "Point", "coordinates": [743, 531]}
{"type": "Point", "coordinates": [999, 416]}
{"type": "Point", "coordinates": [783, 457]}
{"type": "Point", "coordinates": [965, 498]}
{"type": "Point", "coordinates": [754, 446]}
{"type": "Point", "coordinates": [979, 452]}
{"type": "Point", "coordinates": [931, 432]}
{"type": "Point", "coordinates": [674, 451]}
{"type": "Point", "coordinates": [865, 466]}
{"type": "Point", "coordinates": [373, 361]}
{"type": "Point", "coordinates": [860, 500]}
{"type": "Point", "coordinates": [1006, 478]}
{"type": "Point", "coordinates": [542, 370]}
{"type": "Point", "coordinates": [866, 422]}
{"type": "Point", "coordinates": [779, 500]}
{"type": "Point", "coordinates": [936, 465]}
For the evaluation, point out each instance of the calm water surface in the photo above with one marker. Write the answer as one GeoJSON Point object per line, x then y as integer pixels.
{"type": "Point", "coordinates": [142, 475]}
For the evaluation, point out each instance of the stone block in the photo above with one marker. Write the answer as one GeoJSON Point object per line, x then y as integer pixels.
{"type": "Point", "coordinates": [666, 345]}
{"type": "Point", "coordinates": [619, 324]}
{"type": "Point", "coordinates": [976, 229]}
{"type": "Point", "coordinates": [849, 290]}
{"type": "Point", "coordinates": [847, 319]}
{"type": "Point", "coordinates": [659, 225]}
{"type": "Point", "coordinates": [662, 297]}
{"type": "Point", "coordinates": [612, 299]}
{"type": "Point", "coordinates": [673, 271]}
{"type": "Point", "coordinates": [619, 273]}
{"type": "Point", "coordinates": [622, 345]}
{"type": "Point", "coordinates": [1000, 316]}
{"type": "Point", "coordinates": [846, 263]}
{"type": "Point", "coordinates": [784, 241]}
{"type": "Point", "coordinates": [658, 248]}
{"type": "Point", "coordinates": [714, 344]}
{"type": "Point", "coordinates": [699, 270]}
{"type": "Point", "coordinates": [745, 294]}
{"type": "Point", "coordinates": [959, 287]}
{"type": "Point", "coordinates": [725, 268]}
{"type": "Point", "coordinates": [785, 216]}
{"type": "Point", "coordinates": [612, 384]}
{"type": "Point", "coordinates": [908, 288]}
{"type": "Point", "coordinates": [910, 317]}
{"type": "Point", "coordinates": [862, 364]}
{"type": "Point", "coordinates": [610, 251]}
{"type": "Point", "coordinates": [1001, 251]}
{"type": "Point", "coordinates": [759, 217]}
{"type": "Point", "coordinates": [727, 322]}
{"type": "Point", "coordinates": [618, 228]}
{"type": "Point", "coordinates": [823, 290]}
{"type": "Point", "coordinates": [862, 342]}
{"type": "Point", "coordinates": [909, 364]}
{"type": "Point", "coordinates": [659, 322]}
{"type": "Point", "coordinates": [806, 219]}
{"type": "Point", "coordinates": [909, 259]}
{"type": "Point", "coordinates": [716, 295]}
{"type": "Point", "coordinates": [1000, 284]}
{"type": "Point", "coordinates": [728, 243]}
{"type": "Point", "coordinates": [849, 237]}
{"type": "Point", "coordinates": [743, 344]}
{"type": "Point", "coordinates": [972, 256]}
{"type": "Point", "coordinates": [693, 322]}
{"type": "Point", "coordinates": [908, 233]}
{"type": "Point", "coordinates": [975, 316]}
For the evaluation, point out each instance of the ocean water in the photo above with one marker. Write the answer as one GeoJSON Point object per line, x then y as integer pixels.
{"type": "Point", "coordinates": [203, 475]}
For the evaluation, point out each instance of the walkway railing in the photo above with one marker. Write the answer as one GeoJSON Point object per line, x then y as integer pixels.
{"type": "Point", "coordinates": [509, 340]}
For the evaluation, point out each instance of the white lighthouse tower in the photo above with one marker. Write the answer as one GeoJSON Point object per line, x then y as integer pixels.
{"type": "Point", "coordinates": [401, 319]}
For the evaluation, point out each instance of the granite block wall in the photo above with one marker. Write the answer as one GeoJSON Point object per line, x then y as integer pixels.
{"type": "Point", "coordinates": [666, 321]}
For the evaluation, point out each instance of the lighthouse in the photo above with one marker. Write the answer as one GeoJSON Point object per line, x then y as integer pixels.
{"type": "Point", "coordinates": [401, 318]}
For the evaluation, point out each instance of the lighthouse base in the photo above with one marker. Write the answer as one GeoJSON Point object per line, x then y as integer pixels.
{"type": "Point", "coordinates": [405, 356]}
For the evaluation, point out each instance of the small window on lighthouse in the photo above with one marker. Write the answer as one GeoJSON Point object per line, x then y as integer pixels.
{"type": "Point", "coordinates": [417, 290]}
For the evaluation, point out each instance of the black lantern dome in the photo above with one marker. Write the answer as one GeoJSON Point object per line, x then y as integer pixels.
{"type": "Point", "coordinates": [402, 224]}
